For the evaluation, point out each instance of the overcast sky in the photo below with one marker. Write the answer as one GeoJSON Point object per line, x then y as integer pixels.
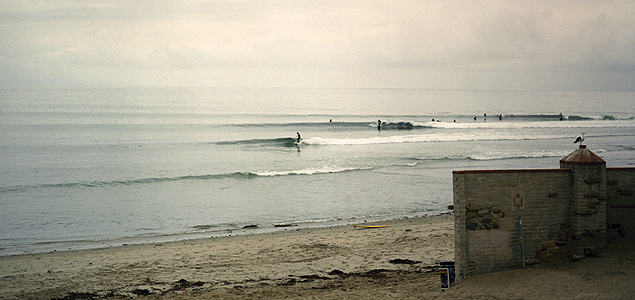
{"type": "Point", "coordinates": [442, 44]}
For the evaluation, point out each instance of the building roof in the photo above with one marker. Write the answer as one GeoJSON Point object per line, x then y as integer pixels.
{"type": "Point", "coordinates": [583, 156]}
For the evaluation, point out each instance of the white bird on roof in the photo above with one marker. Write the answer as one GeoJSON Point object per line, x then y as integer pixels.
{"type": "Point", "coordinates": [580, 139]}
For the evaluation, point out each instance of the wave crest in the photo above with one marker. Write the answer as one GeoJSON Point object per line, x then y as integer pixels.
{"type": "Point", "coordinates": [492, 156]}
{"type": "Point", "coordinates": [312, 171]}
{"type": "Point", "coordinates": [141, 181]}
{"type": "Point", "coordinates": [285, 141]}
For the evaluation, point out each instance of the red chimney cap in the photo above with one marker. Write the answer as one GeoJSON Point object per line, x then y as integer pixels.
{"type": "Point", "coordinates": [583, 156]}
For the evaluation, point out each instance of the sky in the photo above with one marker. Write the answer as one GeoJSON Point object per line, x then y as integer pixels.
{"type": "Point", "coordinates": [435, 44]}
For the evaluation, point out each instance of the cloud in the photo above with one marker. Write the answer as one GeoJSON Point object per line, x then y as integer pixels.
{"type": "Point", "coordinates": [416, 44]}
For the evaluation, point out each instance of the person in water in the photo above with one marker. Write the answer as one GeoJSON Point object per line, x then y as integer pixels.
{"type": "Point", "coordinates": [298, 137]}
{"type": "Point", "coordinates": [379, 124]}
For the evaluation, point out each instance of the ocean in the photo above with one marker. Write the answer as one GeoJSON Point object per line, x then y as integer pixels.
{"type": "Point", "coordinates": [100, 167]}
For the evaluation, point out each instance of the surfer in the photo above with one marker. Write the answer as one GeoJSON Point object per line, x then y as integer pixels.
{"type": "Point", "coordinates": [378, 124]}
{"type": "Point", "coordinates": [298, 137]}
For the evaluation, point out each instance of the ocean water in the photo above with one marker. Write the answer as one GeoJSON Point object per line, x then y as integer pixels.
{"type": "Point", "coordinates": [98, 167]}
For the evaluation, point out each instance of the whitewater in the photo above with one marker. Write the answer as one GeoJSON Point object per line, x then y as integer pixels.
{"type": "Point", "coordinates": [101, 167]}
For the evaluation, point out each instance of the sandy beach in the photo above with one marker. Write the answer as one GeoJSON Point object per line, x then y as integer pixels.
{"type": "Point", "coordinates": [397, 262]}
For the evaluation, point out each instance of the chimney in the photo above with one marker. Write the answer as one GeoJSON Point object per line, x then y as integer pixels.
{"type": "Point", "coordinates": [588, 200]}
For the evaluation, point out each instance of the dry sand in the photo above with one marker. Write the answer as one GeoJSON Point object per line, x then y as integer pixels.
{"type": "Point", "coordinates": [397, 262]}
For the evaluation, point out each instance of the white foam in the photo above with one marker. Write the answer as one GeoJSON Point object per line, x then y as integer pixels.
{"type": "Point", "coordinates": [492, 155]}
{"type": "Point", "coordinates": [495, 124]}
{"type": "Point", "coordinates": [432, 137]}
{"type": "Point", "coordinates": [310, 171]}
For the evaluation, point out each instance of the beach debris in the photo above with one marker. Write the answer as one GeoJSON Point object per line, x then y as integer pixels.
{"type": "Point", "coordinates": [369, 226]}
{"type": "Point", "coordinates": [250, 226]}
{"type": "Point", "coordinates": [291, 281]}
{"type": "Point", "coordinates": [78, 296]}
{"type": "Point", "coordinates": [591, 252]}
{"type": "Point", "coordinates": [577, 258]}
{"type": "Point", "coordinates": [618, 227]}
{"type": "Point", "coordinates": [303, 278]}
{"type": "Point", "coordinates": [308, 278]}
{"type": "Point", "coordinates": [284, 225]}
{"type": "Point", "coordinates": [184, 284]}
{"type": "Point", "coordinates": [336, 272]}
{"type": "Point", "coordinates": [374, 273]}
{"type": "Point", "coordinates": [404, 261]}
{"type": "Point", "coordinates": [141, 292]}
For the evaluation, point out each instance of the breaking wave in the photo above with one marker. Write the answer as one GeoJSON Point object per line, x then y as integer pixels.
{"type": "Point", "coordinates": [133, 182]}
{"type": "Point", "coordinates": [312, 171]}
{"type": "Point", "coordinates": [423, 138]}
{"type": "Point", "coordinates": [491, 156]}
{"type": "Point", "coordinates": [406, 138]}
{"type": "Point", "coordinates": [288, 141]}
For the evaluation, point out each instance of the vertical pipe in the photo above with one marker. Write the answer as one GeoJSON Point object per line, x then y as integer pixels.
{"type": "Point", "coordinates": [522, 243]}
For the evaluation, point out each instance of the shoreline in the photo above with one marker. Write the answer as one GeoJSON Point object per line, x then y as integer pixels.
{"type": "Point", "coordinates": [396, 262]}
{"type": "Point", "coordinates": [251, 229]}
{"type": "Point", "coordinates": [241, 260]}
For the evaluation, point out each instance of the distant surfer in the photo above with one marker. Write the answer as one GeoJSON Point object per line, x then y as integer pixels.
{"type": "Point", "coordinates": [298, 137]}
{"type": "Point", "coordinates": [378, 124]}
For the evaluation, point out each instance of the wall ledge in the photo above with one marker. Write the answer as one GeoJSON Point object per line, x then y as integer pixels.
{"type": "Point", "coordinates": [621, 169]}
{"type": "Point", "coordinates": [561, 170]}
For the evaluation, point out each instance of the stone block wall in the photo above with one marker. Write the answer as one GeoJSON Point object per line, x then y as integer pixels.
{"type": "Point", "coordinates": [620, 204]}
{"type": "Point", "coordinates": [487, 207]}
{"type": "Point", "coordinates": [566, 212]}
{"type": "Point", "coordinates": [588, 209]}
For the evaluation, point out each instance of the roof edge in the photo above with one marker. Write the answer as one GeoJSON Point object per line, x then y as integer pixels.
{"type": "Point", "coordinates": [583, 156]}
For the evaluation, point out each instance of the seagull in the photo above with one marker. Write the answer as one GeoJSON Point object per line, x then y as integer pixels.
{"type": "Point", "coordinates": [580, 139]}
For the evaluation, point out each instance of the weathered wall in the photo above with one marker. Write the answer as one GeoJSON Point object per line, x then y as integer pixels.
{"type": "Point", "coordinates": [565, 212]}
{"type": "Point", "coordinates": [488, 205]}
{"type": "Point", "coordinates": [620, 204]}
